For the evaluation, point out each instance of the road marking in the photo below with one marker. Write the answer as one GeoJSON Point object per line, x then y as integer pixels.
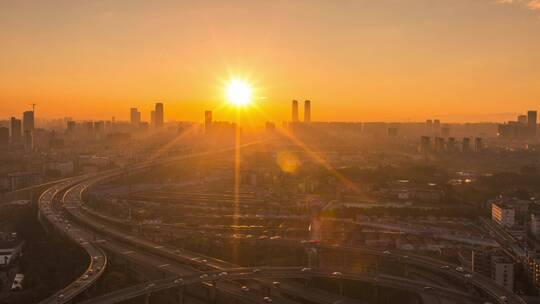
{"type": "Point", "coordinates": [164, 265]}
{"type": "Point", "coordinates": [128, 252]}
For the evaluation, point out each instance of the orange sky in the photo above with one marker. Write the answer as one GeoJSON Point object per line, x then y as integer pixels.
{"type": "Point", "coordinates": [384, 60]}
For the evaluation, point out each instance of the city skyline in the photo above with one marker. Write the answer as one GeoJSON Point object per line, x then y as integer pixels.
{"type": "Point", "coordinates": [380, 61]}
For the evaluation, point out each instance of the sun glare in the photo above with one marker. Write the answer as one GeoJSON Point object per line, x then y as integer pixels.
{"type": "Point", "coordinates": [239, 92]}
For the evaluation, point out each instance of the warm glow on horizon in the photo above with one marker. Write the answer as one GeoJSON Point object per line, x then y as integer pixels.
{"type": "Point", "coordinates": [239, 93]}
{"type": "Point", "coordinates": [357, 61]}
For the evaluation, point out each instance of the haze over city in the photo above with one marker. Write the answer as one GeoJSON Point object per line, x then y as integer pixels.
{"type": "Point", "coordinates": [270, 152]}
{"type": "Point", "coordinates": [386, 60]}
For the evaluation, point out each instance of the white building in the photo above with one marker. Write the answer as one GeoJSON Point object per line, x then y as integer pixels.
{"type": "Point", "coordinates": [503, 215]}
{"type": "Point", "coordinates": [502, 272]}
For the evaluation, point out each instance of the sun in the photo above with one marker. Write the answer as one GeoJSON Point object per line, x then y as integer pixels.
{"type": "Point", "coordinates": [238, 92]}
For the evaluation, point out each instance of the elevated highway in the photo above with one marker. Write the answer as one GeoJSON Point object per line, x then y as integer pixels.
{"type": "Point", "coordinates": [50, 216]}
{"type": "Point", "coordinates": [153, 250]}
{"type": "Point", "coordinates": [213, 278]}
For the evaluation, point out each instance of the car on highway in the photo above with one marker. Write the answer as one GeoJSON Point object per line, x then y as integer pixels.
{"type": "Point", "coordinates": [276, 283]}
{"type": "Point", "coordinates": [256, 270]}
{"type": "Point", "coordinates": [460, 269]}
{"type": "Point", "coordinates": [84, 277]}
{"type": "Point", "coordinates": [306, 269]}
{"type": "Point", "coordinates": [267, 299]}
{"type": "Point", "coordinates": [178, 281]}
{"type": "Point", "coordinates": [337, 273]}
{"type": "Point", "coordinates": [245, 288]}
{"type": "Point", "coordinates": [468, 275]}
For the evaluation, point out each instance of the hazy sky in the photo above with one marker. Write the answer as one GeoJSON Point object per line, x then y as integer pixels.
{"type": "Point", "coordinates": [356, 60]}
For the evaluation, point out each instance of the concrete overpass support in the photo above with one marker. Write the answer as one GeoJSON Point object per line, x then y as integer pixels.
{"type": "Point", "coordinates": [147, 298]}
{"type": "Point", "coordinates": [180, 295]}
{"type": "Point", "coordinates": [341, 288]}
{"type": "Point", "coordinates": [211, 295]}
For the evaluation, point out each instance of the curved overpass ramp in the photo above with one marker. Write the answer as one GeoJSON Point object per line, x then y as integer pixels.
{"type": "Point", "coordinates": [50, 214]}
{"type": "Point", "coordinates": [274, 273]}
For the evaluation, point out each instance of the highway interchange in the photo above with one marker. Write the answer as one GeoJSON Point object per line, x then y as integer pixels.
{"type": "Point", "coordinates": [65, 214]}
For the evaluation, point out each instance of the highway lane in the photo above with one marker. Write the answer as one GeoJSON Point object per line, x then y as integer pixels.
{"type": "Point", "coordinates": [482, 283]}
{"type": "Point", "coordinates": [97, 260]}
{"type": "Point", "coordinates": [195, 259]}
{"type": "Point", "coordinates": [163, 264]}
{"type": "Point", "coordinates": [274, 273]}
{"type": "Point", "coordinates": [435, 266]}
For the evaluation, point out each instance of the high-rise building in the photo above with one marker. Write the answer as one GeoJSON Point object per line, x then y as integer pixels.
{"type": "Point", "coordinates": [531, 122]}
{"type": "Point", "coordinates": [439, 144]}
{"type": "Point", "coordinates": [152, 118]}
{"type": "Point", "coordinates": [71, 126]}
{"type": "Point", "coordinates": [15, 126]}
{"type": "Point", "coordinates": [425, 144]}
{"type": "Point", "coordinates": [295, 117]}
{"type": "Point", "coordinates": [158, 115]}
{"type": "Point", "coordinates": [4, 138]}
{"type": "Point", "coordinates": [207, 121]}
{"type": "Point", "coordinates": [478, 146]}
{"type": "Point", "coordinates": [307, 111]}
{"type": "Point", "coordinates": [451, 144]}
{"type": "Point", "coordinates": [28, 141]}
{"type": "Point", "coordinates": [522, 119]}
{"type": "Point", "coordinates": [135, 116]}
{"type": "Point", "coordinates": [429, 126]}
{"type": "Point", "coordinates": [466, 145]}
{"type": "Point", "coordinates": [436, 125]}
{"type": "Point", "coordinates": [28, 121]}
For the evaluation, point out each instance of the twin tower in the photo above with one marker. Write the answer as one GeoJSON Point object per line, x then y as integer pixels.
{"type": "Point", "coordinates": [307, 111]}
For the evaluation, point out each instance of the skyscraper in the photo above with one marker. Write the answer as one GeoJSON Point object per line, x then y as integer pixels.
{"type": "Point", "coordinates": [28, 141]}
{"type": "Point", "coordinates": [466, 145]}
{"type": "Point", "coordinates": [28, 121]}
{"type": "Point", "coordinates": [4, 138]}
{"type": "Point", "coordinates": [295, 117]}
{"type": "Point", "coordinates": [158, 115]}
{"type": "Point", "coordinates": [207, 121]}
{"type": "Point", "coordinates": [531, 122]}
{"type": "Point", "coordinates": [307, 111]}
{"type": "Point", "coordinates": [71, 126]}
{"type": "Point", "coordinates": [135, 116]}
{"type": "Point", "coordinates": [478, 146]}
{"type": "Point", "coordinates": [16, 130]}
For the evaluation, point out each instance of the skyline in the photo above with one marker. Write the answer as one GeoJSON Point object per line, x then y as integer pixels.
{"type": "Point", "coordinates": [457, 61]}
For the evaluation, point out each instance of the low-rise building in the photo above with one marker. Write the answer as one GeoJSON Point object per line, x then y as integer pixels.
{"type": "Point", "coordinates": [502, 271]}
